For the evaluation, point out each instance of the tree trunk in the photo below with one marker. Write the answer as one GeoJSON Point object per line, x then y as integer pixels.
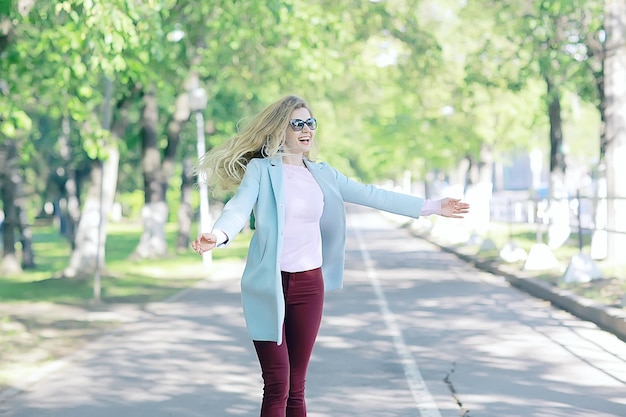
{"type": "Point", "coordinates": [597, 56]}
{"type": "Point", "coordinates": [599, 237]}
{"type": "Point", "coordinates": [185, 210]}
{"type": "Point", "coordinates": [559, 229]}
{"type": "Point", "coordinates": [70, 214]}
{"type": "Point", "coordinates": [157, 175]}
{"type": "Point", "coordinates": [26, 236]}
{"type": "Point", "coordinates": [615, 92]}
{"type": "Point", "coordinates": [16, 219]}
{"type": "Point", "coordinates": [89, 253]}
{"type": "Point", "coordinates": [557, 158]}
{"type": "Point", "coordinates": [155, 211]}
{"type": "Point", "coordinates": [602, 110]}
{"type": "Point", "coordinates": [8, 190]}
{"type": "Point", "coordinates": [479, 190]}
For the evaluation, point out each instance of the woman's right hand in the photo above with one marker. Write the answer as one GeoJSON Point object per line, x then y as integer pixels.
{"type": "Point", "coordinates": [204, 242]}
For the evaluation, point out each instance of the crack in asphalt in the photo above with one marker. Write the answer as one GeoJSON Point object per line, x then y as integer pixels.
{"type": "Point", "coordinates": [448, 380]}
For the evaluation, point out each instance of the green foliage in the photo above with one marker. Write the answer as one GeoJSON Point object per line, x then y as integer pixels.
{"type": "Point", "coordinates": [396, 85]}
{"type": "Point", "coordinates": [124, 281]}
{"type": "Point", "coordinates": [16, 121]}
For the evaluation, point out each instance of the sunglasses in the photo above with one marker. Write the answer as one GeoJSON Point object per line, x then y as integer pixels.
{"type": "Point", "coordinates": [298, 124]}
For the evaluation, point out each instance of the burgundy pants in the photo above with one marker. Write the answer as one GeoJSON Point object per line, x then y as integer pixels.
{"type": "Point", "coordinates": [284, 366]}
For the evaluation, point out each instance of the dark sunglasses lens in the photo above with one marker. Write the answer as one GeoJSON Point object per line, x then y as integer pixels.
{"type": "Point", "coordinates": [297, 124]}
{"type": "Point", "coordinates": [312, 123]}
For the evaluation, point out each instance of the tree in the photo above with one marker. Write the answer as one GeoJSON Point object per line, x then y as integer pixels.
{"type": "Point", "coordinates": [14, 122]}
{"type": "Point", "coordinates": [615, 94]}
{"type": "Point", "coordinates": [98, 34]}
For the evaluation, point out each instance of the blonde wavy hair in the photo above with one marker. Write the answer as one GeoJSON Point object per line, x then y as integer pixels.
{"type": "Point", "coordinates": [224, 166]}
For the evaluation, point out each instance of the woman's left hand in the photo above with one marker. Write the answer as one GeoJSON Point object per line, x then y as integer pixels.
{"type": "Point", "coordinates": [453, 207]}
{"type": "Point", "coordinates": [204, 242]}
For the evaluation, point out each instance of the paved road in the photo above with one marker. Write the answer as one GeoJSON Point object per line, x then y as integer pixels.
{"type": "Point", "coordinates": [415, 333]}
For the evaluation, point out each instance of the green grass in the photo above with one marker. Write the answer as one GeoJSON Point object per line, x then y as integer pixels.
{"type": "Point", "coordinates": [525, 236]}
{"type": "Point", "coordinates": [123, 280]}
{"type": "Point", "coordinates": [608, 291]}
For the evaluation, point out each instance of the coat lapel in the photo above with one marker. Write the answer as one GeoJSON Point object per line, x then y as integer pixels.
{"type": "Point", "coordinates": [275, 168]}
{"type": "Point", "coordinates": [315, 170]}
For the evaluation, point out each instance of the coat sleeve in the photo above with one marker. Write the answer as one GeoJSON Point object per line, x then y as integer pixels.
{"type": "Point", "coordinates": [371, 196]}
{"type": "Point", "coordinates": [236, 212]}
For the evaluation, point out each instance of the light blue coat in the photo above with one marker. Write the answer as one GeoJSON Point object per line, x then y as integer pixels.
{"type": "Point", "coordinates": [261, 191]}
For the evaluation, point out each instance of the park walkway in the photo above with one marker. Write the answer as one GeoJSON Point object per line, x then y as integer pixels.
{"type": "Point", "coordinates": [416, 332]}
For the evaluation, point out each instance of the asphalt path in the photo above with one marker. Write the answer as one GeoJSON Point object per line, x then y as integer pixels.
{"type": "Point", "coordinates": [416, 332]}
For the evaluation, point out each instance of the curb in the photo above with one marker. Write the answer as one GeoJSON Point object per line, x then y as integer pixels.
{"type": "Point", "coordinates": [610, 319]}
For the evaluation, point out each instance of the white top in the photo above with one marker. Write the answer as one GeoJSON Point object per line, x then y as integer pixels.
{"type": "Point", "coordinates": [304, 204]}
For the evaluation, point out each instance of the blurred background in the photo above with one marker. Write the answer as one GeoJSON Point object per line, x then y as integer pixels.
{"type": "Point", "coordinates": [518, 107]}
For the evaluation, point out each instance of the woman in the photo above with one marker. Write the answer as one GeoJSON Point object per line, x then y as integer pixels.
{"type": "Point", "coordinates": [297, 249]}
